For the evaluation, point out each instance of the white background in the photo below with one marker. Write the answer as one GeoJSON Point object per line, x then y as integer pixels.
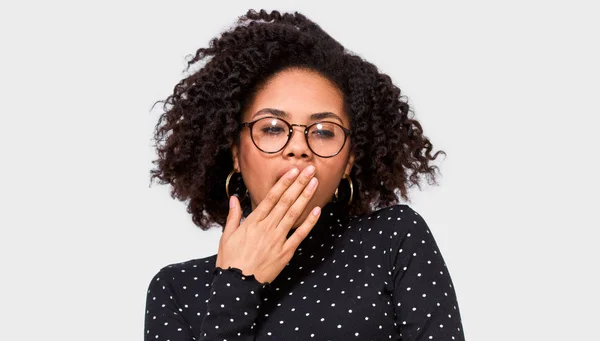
{"type": "Point", "coordinates": [509, 89]}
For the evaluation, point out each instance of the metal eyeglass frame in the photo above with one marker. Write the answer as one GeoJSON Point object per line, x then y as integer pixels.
{"type": "Point", "coordinates": [291, 131]}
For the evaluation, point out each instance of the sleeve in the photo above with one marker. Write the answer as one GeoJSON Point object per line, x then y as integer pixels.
{"type": "Point", "coordinates": [233, 306]}
{"type": "Point", "coordinates": [164, 320]}
{"type": "Point", "coordinates": [423, 293]}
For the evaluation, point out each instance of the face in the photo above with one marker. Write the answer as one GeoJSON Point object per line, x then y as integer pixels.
{"type": "Point", "coordinates": [297, 95]}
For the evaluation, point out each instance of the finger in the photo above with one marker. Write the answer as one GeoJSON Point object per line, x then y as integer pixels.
{"type": "Point", "coordinates": [272, 198]}
{"type": "Point", "coordinates": [233, 217]}
{"type": "Point", "coordinates": [302, 231]}
{"type": "Point", "coordinates": [291, 216]}
{"type": "Point", "coordinates": [291, 195]}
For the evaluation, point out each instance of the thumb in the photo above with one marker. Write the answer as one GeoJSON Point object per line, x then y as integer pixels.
{"type": "Point", "coordinates": [233, 217]}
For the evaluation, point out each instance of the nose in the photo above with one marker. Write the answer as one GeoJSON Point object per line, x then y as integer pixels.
{"type": "Point", "coordinates": [297, 145]}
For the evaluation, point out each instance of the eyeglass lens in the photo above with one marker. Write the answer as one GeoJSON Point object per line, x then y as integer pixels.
{"type": "Point", "coordinates": [271, 134]}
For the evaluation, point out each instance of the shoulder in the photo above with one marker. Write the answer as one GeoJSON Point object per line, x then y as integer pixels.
{"type": "Point", "coordinates": [189, 269]}
{"type": "Point", "coordinates": [390, 215]}
{"type": "Point", "coordinates": [399, 219]}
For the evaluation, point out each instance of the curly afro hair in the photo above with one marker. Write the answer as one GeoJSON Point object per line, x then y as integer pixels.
{"type": "Point", "coordinates": [201, 117]}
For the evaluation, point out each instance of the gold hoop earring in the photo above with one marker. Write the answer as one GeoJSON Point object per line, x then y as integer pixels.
{"type": "Point", "coordinates": [347, 177]}
{"type": "Point", "coordinates": [227, 185]}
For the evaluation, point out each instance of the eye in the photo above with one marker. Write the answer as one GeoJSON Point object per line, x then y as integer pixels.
{"type": "Point", "coordinates": [323, 131]}
{"type": "Point", "coordinates": [272, 130]}
{"type": "Point", "coordinates": [324, 134]}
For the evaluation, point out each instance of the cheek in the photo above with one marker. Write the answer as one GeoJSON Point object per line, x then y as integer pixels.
{"type": "Point", "coordinates": [255, 169]}
{"type": "Point", "coordinates": [248, 153]}
{"type": "Point", "coordinates": [329, 179]}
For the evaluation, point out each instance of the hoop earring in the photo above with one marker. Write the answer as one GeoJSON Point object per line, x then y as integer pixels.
{"type": "Point", "coordinates": [227, 186]}
{"type": "Point", "coordinates": [347, 177]}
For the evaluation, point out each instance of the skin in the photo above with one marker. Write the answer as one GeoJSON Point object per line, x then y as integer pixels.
{"type": "Point", "coordinates": [299, 93]}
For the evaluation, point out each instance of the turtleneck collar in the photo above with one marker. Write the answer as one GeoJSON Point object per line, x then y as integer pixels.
{"type": "Point", "coordinates": [332, 216]}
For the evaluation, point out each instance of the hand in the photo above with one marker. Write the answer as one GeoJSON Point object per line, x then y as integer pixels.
{"type": "Point", "coordinates": [259, 246]}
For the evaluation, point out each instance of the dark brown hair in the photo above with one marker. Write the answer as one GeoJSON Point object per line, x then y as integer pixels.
{"type": "Point", "coordinates": [201, 117]}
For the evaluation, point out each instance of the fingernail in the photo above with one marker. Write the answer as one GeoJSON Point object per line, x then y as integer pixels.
{"type": "Point", "coordinates": [309, 170]}
{"type": "Point", "coordinates": [316, 211]}
{"type": "Point", "coordinates": [312, 183]}
{"type": "Point", "coordinates": [231, 202]}
{"type": "Point", "coordinates": [293, 172]}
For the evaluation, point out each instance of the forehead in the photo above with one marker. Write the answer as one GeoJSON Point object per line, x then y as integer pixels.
{"type": "Point", "coordinates": [299, 93]}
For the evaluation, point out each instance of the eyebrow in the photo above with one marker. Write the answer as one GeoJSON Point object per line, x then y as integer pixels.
{"type": "Point", "coordinates": [281, 113]}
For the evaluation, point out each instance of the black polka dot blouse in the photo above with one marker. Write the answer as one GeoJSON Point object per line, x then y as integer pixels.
{"type": "Point", "coordinates": [376, 277]}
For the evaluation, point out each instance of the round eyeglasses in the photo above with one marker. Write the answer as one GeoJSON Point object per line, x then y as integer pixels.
{"type": "Point", "coordinates": [271, 134]}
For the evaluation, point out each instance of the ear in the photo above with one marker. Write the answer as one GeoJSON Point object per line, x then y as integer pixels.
{"type": "Point", "coordinates": [349, 164]}
{"type": "Point", "coordinates": [235, 154]}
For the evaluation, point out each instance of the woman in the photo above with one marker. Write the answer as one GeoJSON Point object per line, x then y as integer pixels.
{"type": "Point", "coordinates": [299, 149]}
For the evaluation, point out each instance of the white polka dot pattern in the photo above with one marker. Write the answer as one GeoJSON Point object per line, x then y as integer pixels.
{"type": "Point", "coordinates": [377, 277]}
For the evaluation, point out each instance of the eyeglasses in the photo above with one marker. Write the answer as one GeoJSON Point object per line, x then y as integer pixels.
{"type": "Point", "coordinates": [271, 134]}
